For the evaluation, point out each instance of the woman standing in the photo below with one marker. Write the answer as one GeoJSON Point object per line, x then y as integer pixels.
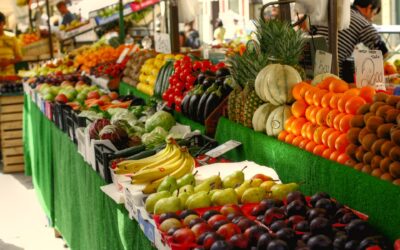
{"type": "Point", "coordinates": [10, 52]}
{"type": "Point", "coordinates": [219, 32]}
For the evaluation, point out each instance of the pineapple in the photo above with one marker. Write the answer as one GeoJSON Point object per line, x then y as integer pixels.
{"type": "Point", "coordinates": [232, 102]}
{"type": "Point", "coordinates": [250, 106]}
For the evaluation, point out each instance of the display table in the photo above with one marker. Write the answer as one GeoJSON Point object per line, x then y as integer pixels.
{"type": "Point", "coordinates": [376, 198]}
{"type": "Point", "coordinates": [69, 190]}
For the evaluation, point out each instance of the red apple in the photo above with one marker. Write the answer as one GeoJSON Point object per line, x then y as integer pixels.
{"type": "Point", "coordinates": [215, 218]}
{"type": "Point", "coordinates": [231, 209]}
{"type": "Point", "coordinates": [183, 235]}
{"type": "Point", "coordinates": [263, 177]}
{"type": "Point", "coordinates": [93, 95]}
{"type": "Point", "coordinates": [105, 98]}
{"type": "Point", "coordinates": [61, 98]}
{"type": "Point", "coordinates": [239, 241]}
{"type": "Point", "coordinates": [210, 239]}
{"type": "Point", "coordinates": [200, 228]}
{"type": "Point", "coordinates": [66, 83]}
{"type": "Point", "coordinates": [113, 95]}
{"type": "Point", "coordinates": [397, 245]}
{"type": "Point", "coordinates": [228, 230]}
{"type": "Point", "coordinates": [80, 83]}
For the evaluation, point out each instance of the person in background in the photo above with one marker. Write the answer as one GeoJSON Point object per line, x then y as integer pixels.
{"type": "Point", "coordinates": [361, 30]}
{"type": "Point", "coordinates": [182, 39]}
{"type": "Point", "coordinates": [67, 16]}
{"type": "Point", "coordinates": [238, 33]}
{"type": "Point", "coordinates": [192, 36]}
{"type": "Point", "coordinates": [10, 51]}
{"type": "Point", "coordinates": [219, 32]}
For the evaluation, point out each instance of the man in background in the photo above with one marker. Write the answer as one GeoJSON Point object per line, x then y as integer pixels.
{"type": "Point", "coordinates": [10, 51]}
{"type": "Point", "coordinates": [192, 36]}
{"type": "Point", "coordinates": [67, 16]}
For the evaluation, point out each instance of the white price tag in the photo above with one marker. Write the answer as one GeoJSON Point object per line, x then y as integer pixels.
{"type": "Point", "coordinates": [134, 49]}
{"type": "Point", "coordinates": [123, 55]}
{"type": "Point", "coordinates": [162, 43]}
{"type": "Point", "coordinates": [380, 86]}
{"type": "Point", "coordinates": [369, 68]}
{"type": "Point", "coordinates": [222, 149]}
{"type": "Point", "coordinates": [130, 203]}
{"type": "Point", "coordinates": [206, 54]}
{"type": "Point", "coordinates": [323, 62]}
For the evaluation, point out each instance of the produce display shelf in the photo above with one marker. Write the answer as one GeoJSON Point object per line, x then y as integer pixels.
{"type": "Point", "coordinates": [365, 193]}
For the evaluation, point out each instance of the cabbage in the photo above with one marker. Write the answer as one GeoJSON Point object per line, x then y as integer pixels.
{"type": "Point", "coordinates": [114, 111]}
{"type": "Point", "coordinates": [160, 119]}
{"type": "Point", "coordinates": [96, 127]}
{"type": "Point", "coordinates": [116, 135]}
{"type": "Point", "coordinates": [91, 115]}
{"type": "Point", "coordinates": [123, 115]}
{"type": "Point", "coordinates": [155, 138]}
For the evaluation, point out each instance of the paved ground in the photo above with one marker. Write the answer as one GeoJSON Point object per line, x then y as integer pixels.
{"type": "Point", "coordinates": [23, 224]}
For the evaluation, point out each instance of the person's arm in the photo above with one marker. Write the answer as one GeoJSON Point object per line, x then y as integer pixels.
{"type": "Point", "coordinates": [370, 37]}
{"type": "Point", "coordinates": [17, 52]}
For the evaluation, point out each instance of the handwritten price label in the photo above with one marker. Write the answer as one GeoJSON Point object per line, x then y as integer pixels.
{"type": "Point", "coordinates": [369, 68]}
{"type": "Point", "coordinates": [162, 43]}
{"type": "Point", "coordinates": [323, 62]}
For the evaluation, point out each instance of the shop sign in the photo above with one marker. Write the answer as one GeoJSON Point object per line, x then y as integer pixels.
{"type": "Point", "coordinates": [369, 69]}
{"type": "Point", "coordinates": [323, 62]}
{"type": "Point", "coordinates": [162, 43]}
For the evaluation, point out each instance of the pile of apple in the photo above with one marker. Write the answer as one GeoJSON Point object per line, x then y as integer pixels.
{"type": "Point", "coordinates": [297, 222]}
{"type": "Point", "coordinates": [174, 195]}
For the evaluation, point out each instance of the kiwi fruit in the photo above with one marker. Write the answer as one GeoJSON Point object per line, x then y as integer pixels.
{"type": "Point", "coordinates": [394, 169]}
{"type": "Point", "coordinates": [381, 111]}
{"type": "Point", "coordinates": [368, 140]}
{"type": "Point", "coordinates": [364, 109]}
{"type": "Point", "coordinates": [358, 166]}
{"type": "Point", "coordinates": [383, 130]}
{"type": "Point", "coordinates": [360, 154]}
{"type": "Point", "coordinates": [391, 115]}
{"type": "Point", "coordinates": [376, 146]}
{"type": "Point", "coordinates": [366, 169]}
{"type": "Point", "coordinates": [386, 177]}
{"type": "Point", "coordinates": [350, 163]}
{"type": "Point", "coordinates": [380, 97]}
{"type": "Point", "coordinates": [385, 163]}
{"type": "Point", "coordinates": [376, 161]}
{"type": "Point", "coordinates": [357, 121]}
{"type": "Point", "coordinates": [367, 158]}
{"type": "Point", "coordinates": [377, 173]}
{"type": "Point", "coordinates": [393, 100]}
{"type": "Point", "coordinates": [362, 134]}
{"type": "Point", "coordinates": [352, 135]}
{"type": "Point", "coordinates": [386, 147]}
{"type": "Point", "coordinates": [374, 107]}
{"type": "Point", "coordinates": [374, 122]}
{"type": "Point", "coordinates": [394, 153]}
{"type": "Point", "coordinates": [367, 116]}
{"type": "Point", "coordinates": [395, 136]}
{"type": "Point", "coordinates": [351, 151]}
{"type": "Point", "coordinates": [396, 182]}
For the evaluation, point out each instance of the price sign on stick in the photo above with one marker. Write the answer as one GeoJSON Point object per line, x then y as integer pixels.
{"type": "Point", "coordinates": [162, 43]}
{"type": "Point", "coordinates": [122, 55]}
{"type": "Point", "coordinates": [369, 69]}
{"type": "Point", "coordinates": [323, 62]}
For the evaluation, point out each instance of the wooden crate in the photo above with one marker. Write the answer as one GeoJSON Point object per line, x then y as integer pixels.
{"type": "Point", "coordinates": [11, 133]}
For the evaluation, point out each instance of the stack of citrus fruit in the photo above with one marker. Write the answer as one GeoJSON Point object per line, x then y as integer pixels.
{"type": "Point", "coordinates": [322, 115]}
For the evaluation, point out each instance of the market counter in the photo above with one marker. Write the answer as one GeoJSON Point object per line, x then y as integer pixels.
{"type": "Point", "coordinates": [376, 198]}
{"type": "Point", "coordinates": [69, 190]}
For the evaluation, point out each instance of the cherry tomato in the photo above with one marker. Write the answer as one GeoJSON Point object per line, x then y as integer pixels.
{"type": "Point", "coordinates": [190, 79]}
{"type": "Point", "coordinates": [220, 65]}
{"type": "Point", "coordinates": [178, 108]}
{"type": "Point", "coordinates": [180, 85]}
{"type": "Point", "coordinates": [177, 64]}
{"type": "Point", "coordinates": [186, 59]}
{"type": "Point", "coordinates": [173, 80]}
{"type": "Point", "coordinates": [206, 64]}
{"type": "Point", "coordinates": [178, 100]}
{"type": "Point", "coordinates": [189, 85]}
{"type": "Point", "coordinates": [213, 68]}
{"type": "Point", "coordinates": [177, 92]}
{"type": "Point", "coordinates": [165, 96]}
{"type": "Point", "coordinates": [197, 65]}
{"type": "Point", "coordinates": [170, 98]}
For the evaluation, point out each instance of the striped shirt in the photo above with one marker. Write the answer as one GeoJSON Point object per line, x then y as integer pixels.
{"type": "Point", "coordinates": [360, 31]}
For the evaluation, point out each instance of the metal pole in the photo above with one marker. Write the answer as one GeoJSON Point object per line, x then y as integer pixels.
{"type": "Point", "coordinates": [333, 35]}
{"type": "Point", "coordinates": [121, 22]}
{"type": "Point", "coordinates": [174, 26]}
{"type": "Point", "coordinates": [48, 25]}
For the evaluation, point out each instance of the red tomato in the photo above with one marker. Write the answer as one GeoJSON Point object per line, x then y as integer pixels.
{"type": "Point", "coordinates": [178, 100]}
{"type": "Point", "coordinates": [397, 245]}
{"type": "Point", "coordinates": [165, 96]}
{"type": "Point", "coordinates": [177, 64]}
{"type": "Point", "coordinates": [188, 85]}
{"type": "Point", "coordinates": [206, 64]}
{"type": "Point", "coordinates": [190, 79]}
{"type": "Point", "coordinates": [220, 65]}
{"type": "Point", "coordinates": [170, 98]}
{"type": "Point", "coordinates": [186, 59]}
{"type": "Point", "coordinates": [213, 68]}
{"type": "Point", "coordinates": [197, 65]}
{"type": "Point", "coordinates": [173, 80]}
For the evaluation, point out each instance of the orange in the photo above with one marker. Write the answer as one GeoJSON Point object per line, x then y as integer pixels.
{"type": "Point", "coordinates": [304, 89]}
{"type": "Point", "coordinates": [330, 117]}
{"type": "Point", "coordinates": [318, 134]}
{"type": "Point", "coordinates": [332, 139]}
{"type": "Point", "coordinates": [342, 158]}
{"type": "Point", "coordinates": [299, 108]}
{"type": "Point", "coordinates": [319, 150]}
{"type": "Point", "coordinates": [353, 92]}
{"type": "Point", "coordinates": [304, 129]}
{"type": "Point", "coordinates": [313, 115]}
{"type": "Point", "coordinates": [333, 103]}
{"type": "Point", "coordinates": [297, 90]}
{"type": "Point", "coordinates": [309, 96]}
{"type": "Point", "coordinates": [308, 112]}
{"type": "Point", "coordinates": [338, 86]}
{"type": "Point", "coordinates": [342, 102]}
{"type": "Point", "coordinates": [336, 121]}
{"type": "Point", "coordinates": [321, 116]}
{"type": "Point", "coordinates": [326, 99]}
{"type": "Point", "coordinates": [326, 83]}
{"type": "Point", "coordinates": [327, 153]}
{"type": "Point", "coordinates": [289, 138]}
{"type": "Point", "coordinates": [282, 135]}
{"type": "Point", "coordinates": [318, 97]}
{"type": "Point", "coordinates": [367, 93]}
{"type": "Point", "coordinates": [334, 156]}
{"type": "Point", "coordinates": [303, 143]}
{"type": "Point", "coordinates": [341, 143]}
{"type": "Point", "coordinates": [297, 125]}
{"type": "Point", "coordinates": [353, 104]}
{"type": "Point", "coordinates": [288, 124]}
{"type": "Point", "coordinates": [296, 141]}
{"type": "Point", "coordinates": [310, 146]}
{"type": "Point", "coordinates": [344, 124]}
{"type": "Point", "coordinates": [310, 131]}
{"type": "Point", "coordinates": [325, 135]}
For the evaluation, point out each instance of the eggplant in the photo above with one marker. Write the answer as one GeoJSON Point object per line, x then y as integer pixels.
{"type": "Point", "coordinates": [208, 82]}
{"type": "Point", "coordinates": [200, 78]}
{"type": "Point", "coordinates": [194, 101]}
{"type": "Point", "coordinates": [226, 90]}
{"type": "Point", "coordinates": [222, 72]}
{"type": "Point", "coordinates": [220, 81]}
{"type": "Point", "coordinates": [185, 103]}
{"type": "Point", "coordinates": [213, 101]}
{"type": "Point", "coordinates": [202, 103]}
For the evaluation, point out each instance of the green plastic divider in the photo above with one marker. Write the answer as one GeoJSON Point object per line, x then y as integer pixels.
{"type": "Point", "coordinates": [126, 89]}
{"type": "Point", "coordinates": [374, 197]}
